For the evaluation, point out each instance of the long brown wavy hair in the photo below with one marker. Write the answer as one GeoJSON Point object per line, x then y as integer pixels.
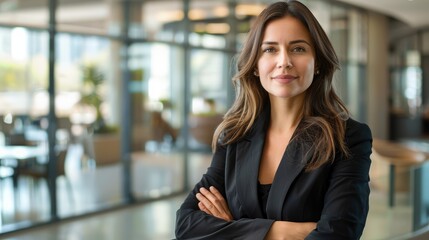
{"type": "Point", "coordinates": [324, 114]}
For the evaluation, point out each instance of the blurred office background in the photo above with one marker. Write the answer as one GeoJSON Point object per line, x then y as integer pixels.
{"type": "Point", "coordinates": [110, 105]}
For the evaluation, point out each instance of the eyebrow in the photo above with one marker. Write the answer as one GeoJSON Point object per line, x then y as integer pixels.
{"type": "Point", "coordinates": [291, 42]}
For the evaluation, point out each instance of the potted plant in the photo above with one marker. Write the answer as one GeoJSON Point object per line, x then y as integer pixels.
{"type": "Point", "coordinates": [91, 96]}
{"type": "Point", "coordinates": [104, 144]}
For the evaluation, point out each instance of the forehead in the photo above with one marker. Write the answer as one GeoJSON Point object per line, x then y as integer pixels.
{"type": "Point", "coordinates": [286, 28]}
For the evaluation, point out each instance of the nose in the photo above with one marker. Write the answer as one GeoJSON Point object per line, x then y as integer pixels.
{"type": "Point", "coordinates": [284, 60]}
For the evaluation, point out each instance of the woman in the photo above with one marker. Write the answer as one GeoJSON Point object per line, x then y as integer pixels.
{"type": "Point", "coordinates": [288, 161]}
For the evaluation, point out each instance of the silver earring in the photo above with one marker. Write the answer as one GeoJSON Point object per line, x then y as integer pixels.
{"type": "Point", "coordinates": [317, 72]}
{"type": "Point", "coordinates": [255, 73]}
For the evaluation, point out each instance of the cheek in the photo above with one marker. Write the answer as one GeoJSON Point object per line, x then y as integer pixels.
{"type": "Point", "coordinates": [263, 66]}
{"type": "Point", "coordinates": [309, 68]}
{"type": "Point", "coordinates": [307, 72]}
{"type": "Point", "coordinates": [310, 63]}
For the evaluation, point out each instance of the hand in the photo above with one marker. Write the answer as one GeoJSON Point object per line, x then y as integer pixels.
{"type": "Point", "coordinates": [213, 203]}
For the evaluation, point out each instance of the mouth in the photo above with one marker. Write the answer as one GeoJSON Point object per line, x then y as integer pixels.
{"type": "Point", "coordinates": [284, 78]}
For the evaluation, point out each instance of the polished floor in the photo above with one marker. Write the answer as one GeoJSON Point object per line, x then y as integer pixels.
{"type": "Point", "coordinates": [154, 220]}
{"type": "Point", "coordinates": [148, 221]}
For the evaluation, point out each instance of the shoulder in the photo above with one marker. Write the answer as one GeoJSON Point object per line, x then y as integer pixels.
{"type": "Point", "coordinates": [354, 127]}
{"type": "Point", "coordinates": [357, 133]}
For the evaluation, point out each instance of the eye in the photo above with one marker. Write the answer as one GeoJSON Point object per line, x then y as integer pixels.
{"type": "Point", "coordinates": [298, 49]}
{"type": "Point", "coordinates": [269, 50]}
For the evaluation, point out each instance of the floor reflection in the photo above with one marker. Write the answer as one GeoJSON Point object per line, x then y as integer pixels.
{"type": "Point", "coordinates": [87, 188]}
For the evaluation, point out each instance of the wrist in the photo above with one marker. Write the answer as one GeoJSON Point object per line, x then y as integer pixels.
{"type": "Point", "coordinates": [289, 230]}
{"type": "Point", "coordinates": [276, 231]}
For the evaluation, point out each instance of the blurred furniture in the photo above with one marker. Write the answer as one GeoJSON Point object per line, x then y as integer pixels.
{"type": "Point", "coordinates": [155, 128]}
{"type": "Point", "coordinates": [19, 139]}
{"type": "Point", "coordinates": [399, 157]}
{"type": "Point", "coordinates": [40, 170]}
{"type": "Point", "coordinates": [101, 148]}
{"type": "Point", "coordinates": [22, 152]}
{"type": "Point", "coordinates": [106, 148]}
{"type": "Point", "coordinates": [203, 126]}
{"type": "Point", "coordinates": [20, 156]}
{"type": "Point", "coordinates": [7, 124]}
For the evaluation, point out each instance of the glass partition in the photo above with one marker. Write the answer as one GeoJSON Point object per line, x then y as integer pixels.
{"type": "Point", "coordinates": [88, 124]}
{"type": "Point", "coordinates": [348, 33]}
{"type": "Point", "coordinates": [157, 95]}
{"type": "Point", "coordinates": [407, 109]}
{"type": "Point", "coordinates": [209, 83]}
{"type": "Point", "coordinates": [23, 143]}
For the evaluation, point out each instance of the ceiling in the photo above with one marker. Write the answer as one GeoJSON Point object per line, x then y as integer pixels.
{"type": "Point", "coordinates": [412, 12]}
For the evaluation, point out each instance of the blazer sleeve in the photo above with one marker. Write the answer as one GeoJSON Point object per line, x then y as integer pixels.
{"type": "Point", "coordinates": [192, 223]}
{"type": "Point", "coordinates": [346, 201]}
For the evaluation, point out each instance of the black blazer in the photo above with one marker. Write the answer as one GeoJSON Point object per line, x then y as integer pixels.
{"type": "Point", "coordinates": [334, 195]}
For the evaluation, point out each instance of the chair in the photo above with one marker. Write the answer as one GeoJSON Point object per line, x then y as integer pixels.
{"type": "Point", "coordinates": [40, 170]}
{"type": "Point", "coordinates": [18, 139]}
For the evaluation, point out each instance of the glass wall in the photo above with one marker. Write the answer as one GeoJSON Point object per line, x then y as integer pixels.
{"type": "Point", "coordinates": [139, 87]}
{"type": "Point", "coordinates": [407, 107]}
{"type": "Point", "coordinates": [156, 89]}
{"type": "Point", "coordinates": [23, 74]}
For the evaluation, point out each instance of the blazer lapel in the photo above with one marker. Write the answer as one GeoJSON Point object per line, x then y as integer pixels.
{"type": "Point", "coordinates": [249, 152]}
{"type": "Point", "coordinates": [290, 166]}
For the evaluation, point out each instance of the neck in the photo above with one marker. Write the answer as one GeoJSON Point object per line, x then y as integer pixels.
{"type": "Point", "coordinates": [285, 114]}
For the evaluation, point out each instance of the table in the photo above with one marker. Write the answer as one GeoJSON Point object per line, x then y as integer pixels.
{"type": "Point", "coordinates": [413, 155]}
{"type": "Point", "coordinates": [397, 155]}
{"type": "Point", "coordinates": [22, 152]}
{"type": "Point", "coordinates": [421, 183]}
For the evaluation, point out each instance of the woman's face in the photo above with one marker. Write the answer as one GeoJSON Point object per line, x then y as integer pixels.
{"type": "Point", "coordinates": [287, 61]}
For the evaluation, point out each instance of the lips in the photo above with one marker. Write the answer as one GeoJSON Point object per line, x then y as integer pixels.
{"type": "Point", "coordinates": [284, 78]}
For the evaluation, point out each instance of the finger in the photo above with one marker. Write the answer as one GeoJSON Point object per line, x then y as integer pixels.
{"type": "Point", "coordinates": [203, 208]}
{"type": "Point", "coordinates": [210, 208]}
{"type": "Point", "coordinates": [214, 201]}
{"type": "Point", "coordinates": [219, 196]}
{"type": "Point", "coordinates": [219, 202]}
{"type": "Point", "coordinates": [223, 202]}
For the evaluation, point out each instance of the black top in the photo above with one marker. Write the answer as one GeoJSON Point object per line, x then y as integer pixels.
{"type": "Point", "coordinates": [263, 191]}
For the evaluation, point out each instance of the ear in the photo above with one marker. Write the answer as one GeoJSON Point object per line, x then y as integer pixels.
{"type": "Point", "coordinates": [316, 69]}
{"type": "Point", "coordinates": [256, 73]}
